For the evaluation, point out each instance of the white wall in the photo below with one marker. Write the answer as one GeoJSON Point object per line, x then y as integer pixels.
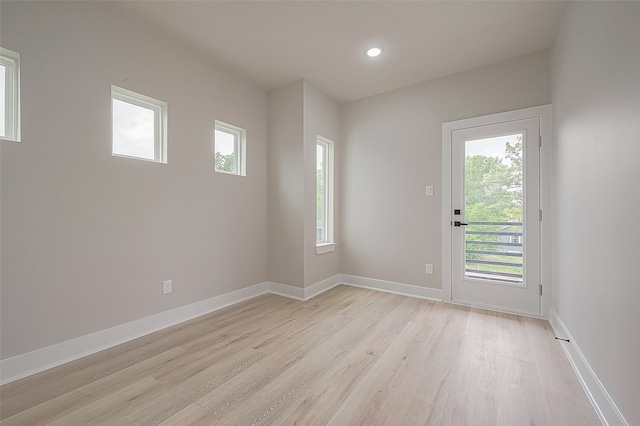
{"type": "Point", "coordinates": [392, 150]}
{"type": "Point", "coordinates": [87, 238]}
{"type": "Point", "coordinates": [596, 97]}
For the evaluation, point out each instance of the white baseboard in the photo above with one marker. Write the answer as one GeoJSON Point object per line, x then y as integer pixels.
{"type": "Point", "coordinates": [322, 286]}
{"type": "Point", "coordinates": [286, 290]}
{"type": "Point", "coordinates": [495, 308]}
{"type": "Point", "coordinates": [307, 293]}
{"type": "Point", "coordinates": [41, 359]}
{"type": "Point", "coordinates": [392, 287]}
{"type": "Point", "coordinates": [605, 406]}
{"type": "Point", "coordinates": [52, 356]}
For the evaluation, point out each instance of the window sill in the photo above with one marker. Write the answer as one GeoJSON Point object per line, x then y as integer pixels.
{"type": "Point", "coordinates": [325, 248]}
{"type": "Point", "coordinates": [8, 139]}
{"type": "Point", "coordinates": [224, 172]}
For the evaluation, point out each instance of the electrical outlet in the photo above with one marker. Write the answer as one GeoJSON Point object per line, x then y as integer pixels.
{"type": "Point", "coordinates": [429, 269]}
{"type": "Point", "coordinates": [429, 190]}
{"type": "Point", "coordinates": [166, 287]}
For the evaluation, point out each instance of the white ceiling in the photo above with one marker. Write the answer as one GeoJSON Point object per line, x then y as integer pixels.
{"type": "Point", "coordinates": [274, 43]}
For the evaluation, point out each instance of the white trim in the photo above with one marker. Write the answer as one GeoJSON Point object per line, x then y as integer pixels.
{"type": "Point", "coordinates": [392, 287]}
{"type": "Point", "coordinates": [24, 365]}
{"type": "Point", "coordinates": [494, 308]}
{"type": "Point", "coordinates": [542, 112]}
{"type": "Point", "coordinates": [600, 399]}
{"type": "Point", "coordinates": [328, 186]}
{"type": "Point", "coordinates": [11, 62]}
{"type": "Point", "coordinates": [239, 147]}
{"type": "Point", "coordinates": [312, 291]}
{"type": "Point", "coordinates": [286, 290]}
{"type": "Point", "coordinates": [322, 286]}
{"type": "Point", "coordinates": [546, 191]}
{"type": "Point", "coordinates": [20, 366]}
{"type": "Point", "coordinates": [304, 294]}
{"type": "Point", "coordinates": [159, 109]}
{"type": "Point", "coordinates": [34, 362]}
{"type": "Point", "coordinates": [323, 248]}
{"type": "Point", "coordinates": [446, 211]}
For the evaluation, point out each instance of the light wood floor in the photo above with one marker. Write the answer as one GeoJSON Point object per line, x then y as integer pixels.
{"type": "Point", "coordinates": [347, 357]}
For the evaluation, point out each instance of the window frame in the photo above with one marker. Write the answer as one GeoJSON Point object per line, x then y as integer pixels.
{"type": "Point", "coordinates": [11, 62]}
{"type": "Point", "coordinates": [159, 109]}
{"type": "Point", "coordinates": [239, 147]}
{"type": "Point", "coordinates": [327, 243]}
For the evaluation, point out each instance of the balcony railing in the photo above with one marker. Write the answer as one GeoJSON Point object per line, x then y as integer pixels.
{"type": "Point", "coordinates": [493, 251]}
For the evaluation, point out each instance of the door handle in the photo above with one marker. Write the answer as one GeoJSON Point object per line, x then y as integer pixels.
{"type": "Point", "coordinates": [458, 223]}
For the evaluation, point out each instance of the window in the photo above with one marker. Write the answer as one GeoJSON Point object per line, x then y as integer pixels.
{"type": "Point", "coordinates": [324, 195]}
{"type": "Point", "coordinates": [139, 126]}
{"type": "Point", "coordinates": [9, 95]}
{"type": "Point", "coordinates": [230, 145]}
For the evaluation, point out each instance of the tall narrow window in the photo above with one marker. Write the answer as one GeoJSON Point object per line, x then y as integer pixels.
{"type": "Point", "coordinates": [324, 195]}
{"type": "Point", "coordinates": [230, 144]}
{"type": "Point", "coordinates": [139, 126]}
{"type": "Point", "coordinates": [9, 95]}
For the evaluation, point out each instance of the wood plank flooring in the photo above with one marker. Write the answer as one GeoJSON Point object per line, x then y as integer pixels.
{"type": "Point", "coordinates": [347, 357]}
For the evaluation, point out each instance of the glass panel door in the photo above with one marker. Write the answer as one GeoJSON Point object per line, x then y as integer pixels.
{"type": "Point", "coordinates": [494, 208]}
{"type": "Point", "coordinates": [495, 255]}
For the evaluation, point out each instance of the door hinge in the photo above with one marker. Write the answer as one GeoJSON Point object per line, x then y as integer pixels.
{"type": "Point", "coordinates": [540, 289]}
{"type": "Point", "coordinates": [540, 141]}
{"type": "Point", "coordinates": [540, 215]}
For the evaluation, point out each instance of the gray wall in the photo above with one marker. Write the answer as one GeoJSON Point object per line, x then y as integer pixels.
{"type": "Point", "coordinates": [286, 185]}
{"type": "Point", "coordinates": [88, 238]}
{"type": "Point", "coordinates": [392, 147]}
{"type": "Point", "coordinates": [298, 113]}
{"type": "Point", "coordinates": [596, 104]}
{"type": "Point", "coordinates": [322, 117]}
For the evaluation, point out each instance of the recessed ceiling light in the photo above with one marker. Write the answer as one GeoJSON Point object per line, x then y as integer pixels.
{"type": "Point", "coordinates": [373, 52]}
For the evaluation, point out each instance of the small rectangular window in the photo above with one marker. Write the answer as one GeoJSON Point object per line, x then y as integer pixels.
{"type": "Point", "coordinates": [139, 126]}
{"type": "Point", "coordinates": [324, 191]}
{"type": "Point", "coordinates": [230, 145]}
{"type": "Point", "coordinates": [9, 95]}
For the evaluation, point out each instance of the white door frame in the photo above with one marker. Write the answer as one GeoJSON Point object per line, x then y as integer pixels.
{"type": "Point", "coordinates": [544, 114]}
